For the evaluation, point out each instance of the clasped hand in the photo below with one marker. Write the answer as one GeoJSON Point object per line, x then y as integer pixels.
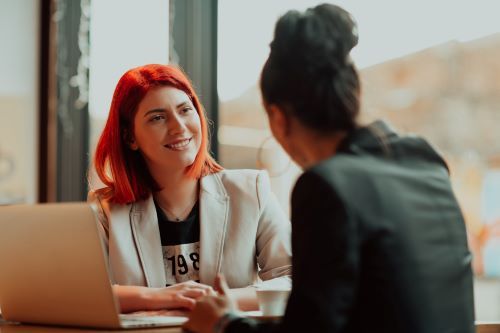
{"type": "Point", "coordinates": [209, 309]}
{"type": "Point", "coordinates": [181, 295]}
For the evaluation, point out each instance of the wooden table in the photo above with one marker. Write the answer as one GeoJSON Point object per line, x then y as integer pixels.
{"type": "Point", "coordinates": [17, 328]}
{"type": "Point", "coordinates": [481, 327]}
{"type": "Point", "coordinates": [487, 327]}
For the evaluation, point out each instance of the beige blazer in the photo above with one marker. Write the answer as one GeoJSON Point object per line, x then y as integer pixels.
{"type": "Point", "coordinates": [244, 234]}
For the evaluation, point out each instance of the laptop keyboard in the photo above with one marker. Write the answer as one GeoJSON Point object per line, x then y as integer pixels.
{"type": "Point", "coordinates": [150, 321]}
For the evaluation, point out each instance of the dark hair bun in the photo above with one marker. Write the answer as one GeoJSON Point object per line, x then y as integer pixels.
{"type": "Point", "coordinates": [309, 68]}
{"type": "Point", "coordinates": [321, 37]}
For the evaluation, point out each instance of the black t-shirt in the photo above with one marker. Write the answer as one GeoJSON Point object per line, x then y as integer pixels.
{"type": "Point", "coordinates": [180, 242]}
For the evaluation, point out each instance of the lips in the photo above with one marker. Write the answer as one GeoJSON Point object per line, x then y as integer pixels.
{"type": "Point", "coordinates": [178, 144]}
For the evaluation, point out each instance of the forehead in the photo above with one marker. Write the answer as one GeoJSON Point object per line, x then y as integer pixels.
{"type": "Point", "coordinates": [163, 97]}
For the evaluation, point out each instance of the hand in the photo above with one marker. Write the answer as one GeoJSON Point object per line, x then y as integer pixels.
{"type": "Point", "coordinates": [210, 309]}
{"type": "Point", "coordinates": [192, 288]}
{"type": "Point", "coordinates": [168, 313]}
{"type": "Point", "coordinates": [182, 295]}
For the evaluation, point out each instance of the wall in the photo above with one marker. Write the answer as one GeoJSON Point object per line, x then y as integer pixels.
{"type": "Point", "coordinates": [19, 30]}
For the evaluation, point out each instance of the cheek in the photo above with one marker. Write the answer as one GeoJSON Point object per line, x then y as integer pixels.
{"type": "Point", "coordinates": [195, 128]}
{"type": "Point", "coordinates": [149, 139]}
{"type": "Point", "coordinates": [198, 141]}
{"type": "Point", "coordinates": [143, 138]}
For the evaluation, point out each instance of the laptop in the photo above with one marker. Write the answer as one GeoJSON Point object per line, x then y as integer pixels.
{"type": "Point", "coordinates": [53, 270]}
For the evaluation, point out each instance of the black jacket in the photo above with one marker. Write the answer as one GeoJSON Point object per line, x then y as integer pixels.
{"type": "Point", "coordinates": [378, 243]}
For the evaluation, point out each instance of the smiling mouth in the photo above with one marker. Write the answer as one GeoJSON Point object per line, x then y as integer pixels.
{"type": "Point", "coordinates": [179, 145]}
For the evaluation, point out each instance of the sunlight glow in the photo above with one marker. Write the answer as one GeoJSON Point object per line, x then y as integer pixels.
{"type": "Point", "coordinates": [388, 29]}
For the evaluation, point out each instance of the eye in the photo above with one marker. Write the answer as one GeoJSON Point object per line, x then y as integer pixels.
{"type": "Point", "coordinates": [156, 118]}
{"type": "Point", "coordinates": [186, 109]}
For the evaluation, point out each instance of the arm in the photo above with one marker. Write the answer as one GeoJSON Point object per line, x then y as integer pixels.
{"type": "Point", "coordinates": [325, 263]}
{"type": "Point", "coordinates": [326, 258]}
{"type": "Point", "coordinates": [136, 298]}
{"type": "Point", "coordinates": [179, 296]}
{"type": "Point", "coordinates": [272, 244]}
{"type": "Point", "coordinates": [325, 273]}
{"type": "Point", "coordinates": [94, 200]}
{"type": "Point", "coordinates": [273, 248]}
{"type": "Point", "coordinates": [273, 256]}
{"type": "Point", "coordinates": [215, 314]}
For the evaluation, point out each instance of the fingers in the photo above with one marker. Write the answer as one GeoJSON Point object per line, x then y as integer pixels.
{"type": "Point", "coordinates": [175, 313]}
{"type": "Point", "coordinates": [221, 286]}
{"type": "Point", "coordinates": [184, 295]}
{"type": "Point", "coordinates": [208, 289]}
{"type": "Point", "coordinates": [194, 293]}
{"type": "Point", "coordinates": [194, 285]}
{"type": "Point", "coordinates": [181, 301]}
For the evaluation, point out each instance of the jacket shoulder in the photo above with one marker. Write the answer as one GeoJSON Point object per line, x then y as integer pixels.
{"type": "Point", "coordinates": [407, 153]}
{"type": "Point", "coordinates": [96, 197]}
{"type": "Point", "coordinates": [236, 175]}
{"type": "Point", "coordinates": [246, 183]}
{"type": "Point", "coordinates": [100, 202]}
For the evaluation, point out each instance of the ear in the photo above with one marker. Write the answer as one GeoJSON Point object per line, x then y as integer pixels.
{"type": "Point", "coordinates": [278, 121]}
{"type": "Point", "coordinates": [133, 145]}
{"type": "Point", "coordinates": [130, 140]}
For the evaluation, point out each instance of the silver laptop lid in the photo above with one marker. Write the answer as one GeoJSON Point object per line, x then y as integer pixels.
{"type": "Point", "coordinates": [52, 267]}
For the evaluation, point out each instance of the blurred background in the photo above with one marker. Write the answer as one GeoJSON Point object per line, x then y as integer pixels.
{"type": "Point", "coordinates": [429, 67]}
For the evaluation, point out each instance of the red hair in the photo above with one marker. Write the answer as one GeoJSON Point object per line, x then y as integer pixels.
{"type": "Point", "coordinates": [124, 170]}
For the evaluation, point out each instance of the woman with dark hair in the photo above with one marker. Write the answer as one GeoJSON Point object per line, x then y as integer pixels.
{"type": "Point", "coordinates": [378, 239]}
{"type": "Point", "coordinates": [171, 218]}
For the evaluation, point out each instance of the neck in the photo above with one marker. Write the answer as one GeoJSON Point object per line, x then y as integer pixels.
{"type": "Point", "coordinates": [313, 148]}
{"type": "Point", "coordinates": [178, 195]}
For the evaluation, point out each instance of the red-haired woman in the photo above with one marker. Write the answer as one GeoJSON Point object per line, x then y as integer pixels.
{"type": "Point", "coordinates": [171, 217]}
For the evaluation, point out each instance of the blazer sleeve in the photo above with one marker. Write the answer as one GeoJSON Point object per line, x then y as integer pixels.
{"type": "Point", "coordinates": [102, 220]}
{"type": "Point", "coordinates": [273, 248]}
{"type": "Point", "coordinates": [325, 258]}
{"type": "Point", "coordinates": [325, 263]}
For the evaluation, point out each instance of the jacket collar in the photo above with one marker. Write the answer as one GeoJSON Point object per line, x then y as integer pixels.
{"type": "Point", "coordinates": [146, 233]}
{"type": "Point", "coordinates": [214, 209]}
{"type": "Point", "coordinates": [374, 138]}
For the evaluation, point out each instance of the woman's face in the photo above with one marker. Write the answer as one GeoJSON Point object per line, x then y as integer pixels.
{"type": "Point", "coordinates": [167, 129]}
{"type": "Point", "coordinates": [287, 132]}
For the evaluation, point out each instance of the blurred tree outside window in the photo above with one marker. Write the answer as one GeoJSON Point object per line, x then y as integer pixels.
{"type": "Point", "coordinates": [430, 67]}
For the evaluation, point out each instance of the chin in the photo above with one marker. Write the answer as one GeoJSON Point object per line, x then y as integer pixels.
{"type": "Point", "coordinates": [187, 162]}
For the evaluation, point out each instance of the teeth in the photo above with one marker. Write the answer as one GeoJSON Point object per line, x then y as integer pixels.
{"type": "Point", "coordinates": [179, 145]}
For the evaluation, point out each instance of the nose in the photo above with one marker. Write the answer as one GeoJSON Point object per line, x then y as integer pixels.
{"type": "Point", "coordinates": [176, 125]}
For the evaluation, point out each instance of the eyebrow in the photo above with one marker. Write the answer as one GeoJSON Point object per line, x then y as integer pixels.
{"type": "Point", "coordinates": [154, 111]}
{"type": "Point", "coordinates": [160, 110]}
{"type": "Point", "coordinates": [182, 104]}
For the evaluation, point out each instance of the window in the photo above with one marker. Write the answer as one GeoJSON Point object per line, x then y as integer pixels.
{"type": "Point", "coordinates": [18, 101]}
{"type": "Point", "coordinates": [143, 42]}
{"type": "Point", "coordinates": [428, 67]}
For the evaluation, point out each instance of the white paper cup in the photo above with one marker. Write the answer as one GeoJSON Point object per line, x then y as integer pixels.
{"type": "Point", "coordinates": [272, 302]}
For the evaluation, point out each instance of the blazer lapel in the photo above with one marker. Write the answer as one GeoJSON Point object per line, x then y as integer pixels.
{"type": "Point", "coordinates": [147, 240]}
{"type": "Point", "coordinates": [214, 210]}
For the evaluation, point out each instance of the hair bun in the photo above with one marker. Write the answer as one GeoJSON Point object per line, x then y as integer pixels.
{"type": "Point", "coordinates": [340, 25]}
{"type": "Point", "coordinates": [320, 38]}
{"type": "Point", "coordinates": [309, 72]}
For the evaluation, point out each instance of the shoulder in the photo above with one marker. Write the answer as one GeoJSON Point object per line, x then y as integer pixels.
{"type": "Point", "coordinates": [99, 197]}
{"type": "Point", "coordinates": [314, 179]}
{"type": "Point", "coordinates": [338, 170]}
{"type": "Point", "coordinates": [101, 204]}
{"type": "Point", "coordinates": [244, 177]}
{"type": "Point", "coordinates": [336, 180]}
{"type": "Point", "coordinates": [243, 183]}
{"type": "Point", "coordinates": [317, 199]}
{"type": "Point", "coordinates": [395, 155]}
